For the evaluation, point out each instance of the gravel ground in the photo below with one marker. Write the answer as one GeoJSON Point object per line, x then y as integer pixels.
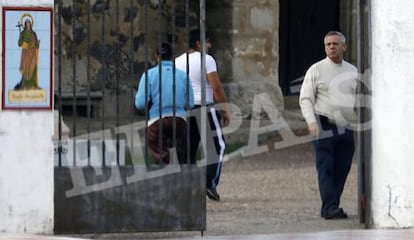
{"type": "Point", "coordinates": [276, 192]}
{"type": "Point", "coordinates": [272, 192]}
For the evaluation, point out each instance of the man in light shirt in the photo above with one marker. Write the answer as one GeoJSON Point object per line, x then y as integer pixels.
{"type": "Point", "coordinates": [214, 94]}
{"type": "Point", "coordinates": [327, 100]}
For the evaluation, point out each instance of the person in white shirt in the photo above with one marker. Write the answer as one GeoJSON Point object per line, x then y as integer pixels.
{"type": "Point", "coordinates": [328, 100]}
{"type": "Point", "coordinates": [214, 94]}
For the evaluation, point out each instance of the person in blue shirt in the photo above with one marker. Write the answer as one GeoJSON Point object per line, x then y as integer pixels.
{"type": "Point", "coordinates": [164, 112]}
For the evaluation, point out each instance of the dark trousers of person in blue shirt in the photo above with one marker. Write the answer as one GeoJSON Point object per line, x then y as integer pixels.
{"type": "Point", "coordinates": [334, 152]}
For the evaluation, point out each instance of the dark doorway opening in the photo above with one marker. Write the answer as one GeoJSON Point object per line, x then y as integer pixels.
{"type": "Point", "coordinates": [303, 24]}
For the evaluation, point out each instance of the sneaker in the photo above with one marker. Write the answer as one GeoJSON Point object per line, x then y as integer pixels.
{"type": "Point", "coordinates": [213, 194]}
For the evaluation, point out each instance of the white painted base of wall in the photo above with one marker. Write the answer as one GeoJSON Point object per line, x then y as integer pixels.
{"type": "Point", "coordinates": [26, 172]}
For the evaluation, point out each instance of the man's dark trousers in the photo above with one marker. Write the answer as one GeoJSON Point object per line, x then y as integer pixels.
{"type": "Point", "coordinates": [334, 151]}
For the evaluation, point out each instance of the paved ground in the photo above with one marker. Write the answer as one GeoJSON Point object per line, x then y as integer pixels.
{"type": "Point", "coordinates": [275, 192]}
{"type": "Point", "coordinates": [272, 192]}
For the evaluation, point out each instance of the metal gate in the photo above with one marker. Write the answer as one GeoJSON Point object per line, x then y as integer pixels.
{"type": "Point", "coordinates": [104, 178]}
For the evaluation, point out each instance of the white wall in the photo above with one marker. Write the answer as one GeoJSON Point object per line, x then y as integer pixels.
{"type": "Point", "coordinates": [26, 162]}
{"type": "Point", "coordinates": [392, 80]}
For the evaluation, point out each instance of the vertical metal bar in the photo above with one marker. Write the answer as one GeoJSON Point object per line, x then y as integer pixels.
{"type": "Point", "coordinates": [131, 76]}
{"type": "Point", "coordinates": [104, 76]}
{"type": "Point", "coordinates": [203, 115]}
{"type": "Point", "coordinates": [174, 90]}
{"type": "Point", "coordinates": [60, 148]}
{"type": "Point", "coordinates": [146, 80]}
{"type": "Point", "coordinates": [118, 59]}
{"type": "Point", "coordinates": [361, 136]}
{"type": "Point", "coordinates": [88, 76]}
{"type": "Point", "coordinates": [146, 155]}
{"type": "Point", "coordinates": [203, 120]}
{"type": "Point", "coordinates": [160, 135]}
{"type": "Point", "coordinates": [203, 51]}
{"type": "Point", "coordinates": [74, 106]}
{"type": "Point", "coordinates": [187, 70]}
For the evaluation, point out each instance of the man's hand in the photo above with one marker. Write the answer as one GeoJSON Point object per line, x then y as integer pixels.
{"type": "Point", "coordinates": [226, 118]}
{"type": "Point", "coordinates": [314, 129]}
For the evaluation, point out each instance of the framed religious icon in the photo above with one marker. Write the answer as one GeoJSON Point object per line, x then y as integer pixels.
{"type": "Point", "coordinates": [27, 76]}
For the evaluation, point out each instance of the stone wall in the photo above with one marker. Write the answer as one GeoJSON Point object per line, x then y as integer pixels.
{"type": "Point", "coordinates": [133, 28]}
{"type": "Point", "coordinates": [247, 49]}
{"type": "Point", "coordinates": [244, 35]}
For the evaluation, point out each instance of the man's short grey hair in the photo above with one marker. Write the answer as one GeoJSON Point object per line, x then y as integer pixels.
{"type": "Point", "coordinates": [335, 33]}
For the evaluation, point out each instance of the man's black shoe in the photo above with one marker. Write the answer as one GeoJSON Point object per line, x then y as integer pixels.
{"type": "Point", "coordinates": [336, 214]}
{"type": "Point", "coordinates": [213, 194]}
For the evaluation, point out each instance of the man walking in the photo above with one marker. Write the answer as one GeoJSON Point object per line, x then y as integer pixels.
{"type": "Point", "coordinates": [327, 100]}
{"type": "Point", "coordinates": [214, 93]}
